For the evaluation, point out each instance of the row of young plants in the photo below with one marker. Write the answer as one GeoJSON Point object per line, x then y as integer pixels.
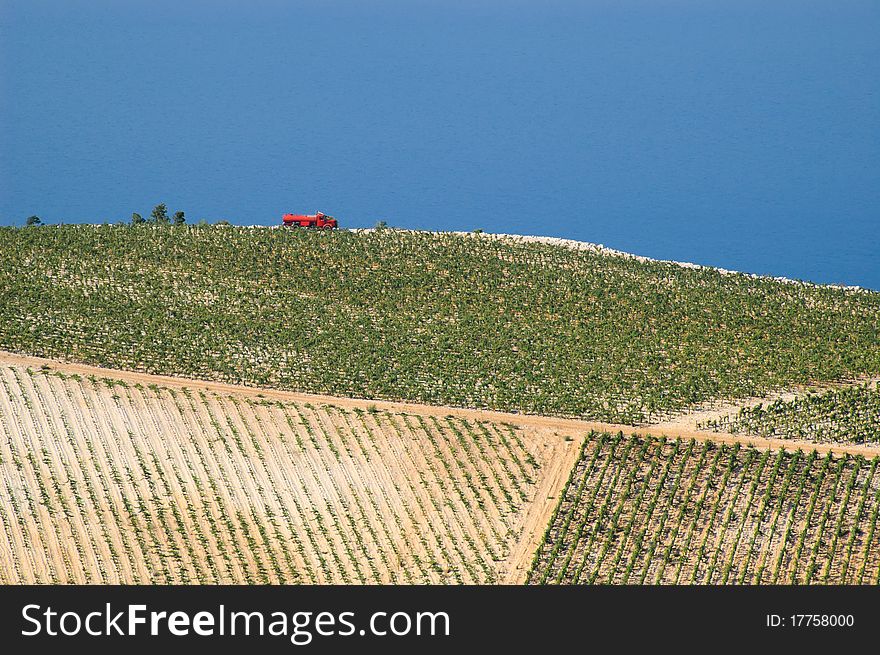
{"type": "Point", "coordinates": [463, 320]}
{"type": "Point", "coordinates": [644, 510]}
{"type": "Point", "coordinates": [142, 484]}
{"type": "Point", "coordinates": [844, 414]}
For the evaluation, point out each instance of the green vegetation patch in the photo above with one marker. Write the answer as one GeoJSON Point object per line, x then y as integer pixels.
{"type": "Point", "coordinates": [849, 414]}
{"type": "Point", "coordinates": [462, 320]}
{"type": "Point", "coordinates": [649, 511]}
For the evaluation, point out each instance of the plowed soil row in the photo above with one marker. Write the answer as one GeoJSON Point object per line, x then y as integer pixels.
{"type": "Point", "coordinates": [125, 481]}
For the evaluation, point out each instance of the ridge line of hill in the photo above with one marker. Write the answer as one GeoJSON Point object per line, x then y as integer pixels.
{"type": "Point", "coordinates": [599, 248]}
{"type": "Point", "coordinates": [574, 244]}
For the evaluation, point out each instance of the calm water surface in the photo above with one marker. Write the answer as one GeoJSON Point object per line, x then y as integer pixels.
{"type": "Point", "coordinates": [734, 133]}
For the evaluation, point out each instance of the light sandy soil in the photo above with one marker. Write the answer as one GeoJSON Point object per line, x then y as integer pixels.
{"type": "Point", "coordinates": [122, 478]}
{"type": "Point", "coordinates": [540, 513]}
{"type": "Point", "coordinates": [235, 483]}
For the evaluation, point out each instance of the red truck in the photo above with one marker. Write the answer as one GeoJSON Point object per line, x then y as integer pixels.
{"type": "Point", "coordinates": [319, 220]}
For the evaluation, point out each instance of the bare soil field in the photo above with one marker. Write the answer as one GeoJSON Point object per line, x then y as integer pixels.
{"type": "Point", "coordinates": [115, 481]}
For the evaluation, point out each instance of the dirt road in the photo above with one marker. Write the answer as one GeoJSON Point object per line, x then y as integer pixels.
{"type": "Point", "coordinates": [683, 429]}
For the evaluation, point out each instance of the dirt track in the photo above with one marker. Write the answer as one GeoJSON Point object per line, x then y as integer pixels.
{"type": "Point", "coordinates": [671, 430]}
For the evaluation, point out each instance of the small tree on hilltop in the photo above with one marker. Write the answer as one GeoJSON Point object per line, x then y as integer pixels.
{"type": "Point", "coordinates": [33, 220]}
{"type": "Point", "coordinates": [160, 213]}
{"type": "Point", "coordinates": [179, 218]}
{"type": "Point", "coordinates": [137, 219]}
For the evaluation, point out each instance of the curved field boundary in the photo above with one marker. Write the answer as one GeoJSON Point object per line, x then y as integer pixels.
{"type": "Point", "coordinates": [526, 420]}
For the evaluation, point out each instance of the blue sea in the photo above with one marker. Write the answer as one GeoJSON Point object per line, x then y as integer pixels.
{"type": "Point", "coordinates": [733, 133]}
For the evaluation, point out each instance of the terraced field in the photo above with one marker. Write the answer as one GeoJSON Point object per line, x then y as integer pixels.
{"type": "Point", "coordinates": [641, 510]}
{"type": "Point", "coordinates": [105, 481]}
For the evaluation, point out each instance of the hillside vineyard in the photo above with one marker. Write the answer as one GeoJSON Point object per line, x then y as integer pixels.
{"type": "Point", "coordinates": [462, 320]}
{"type": "Point", "coordinates": [115, 475]}
{"type": "Point", "coordinates": [105, 481]}
{"type": "Point", "coordinates": [655, 511]}
{"type": "Point", "coordinates": [848, 414]}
